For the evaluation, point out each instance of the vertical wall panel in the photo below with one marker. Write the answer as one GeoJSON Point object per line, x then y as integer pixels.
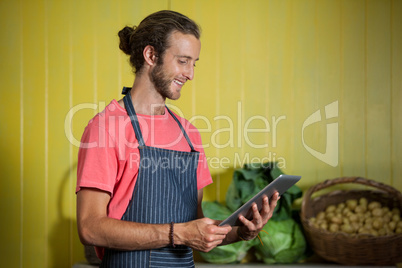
{"type": "Point", "coordinates": [61, 211]}
{"type": "Point", "coordinates": [35, 188]}
{"type": "Point", "coordinates": [396, 93]}
{"type": "Point", "coordinates": [303, 97]}
{"type": "Point", "coordinates": [84, 66]}
{"type": "Point", "coordinates": [328, 86]}
{"type": "Point", "coordinates": [352, 117]}
{"type": "Point", "coordinates": [106, 27]}
{"type": "Point", "coordinates": [10, 128]}
{"type": "Point", "coordinates": [280, 73]}
{"type": "Point", "coordinates": [256, 125]}
{"type": "Point", "coordinates": [227, 135]}
{"type": "Point", "coordinates": [378, 78]}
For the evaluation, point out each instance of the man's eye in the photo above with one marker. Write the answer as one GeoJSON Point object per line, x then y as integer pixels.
{"type": "Point", "coordinates": [182, 61]}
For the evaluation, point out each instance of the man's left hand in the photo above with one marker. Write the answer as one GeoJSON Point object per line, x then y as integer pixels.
{"type": "Point", "coordinates": [251, 228]}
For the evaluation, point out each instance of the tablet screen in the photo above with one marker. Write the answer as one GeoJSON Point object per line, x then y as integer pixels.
{"type": "Point", "coordinates": [280, 185]}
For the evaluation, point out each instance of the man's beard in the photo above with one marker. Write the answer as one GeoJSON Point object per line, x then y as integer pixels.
{"type": "Point", "coordinates": [160, 80]}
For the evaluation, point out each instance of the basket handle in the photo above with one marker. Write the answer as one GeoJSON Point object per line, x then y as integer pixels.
{"type": "Point", "coordinates": [358, 180]}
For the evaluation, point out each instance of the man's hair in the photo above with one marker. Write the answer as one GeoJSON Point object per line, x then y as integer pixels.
{"type": "Point", "coordinates": [154, 30]}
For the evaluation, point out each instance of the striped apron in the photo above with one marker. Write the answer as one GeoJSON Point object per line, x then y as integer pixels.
{"type": "Point", "coordinates": [165, 191]}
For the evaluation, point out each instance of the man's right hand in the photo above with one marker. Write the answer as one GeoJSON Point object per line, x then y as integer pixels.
{"type": "Point", "coordinates": [202, 234]}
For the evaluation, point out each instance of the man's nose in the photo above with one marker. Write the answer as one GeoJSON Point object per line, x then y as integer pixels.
{"type": "Point", "coordinates": [189, 72]}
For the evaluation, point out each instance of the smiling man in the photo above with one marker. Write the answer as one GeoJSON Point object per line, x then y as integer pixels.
{"type": "Point", "coordinates": [142, 168]}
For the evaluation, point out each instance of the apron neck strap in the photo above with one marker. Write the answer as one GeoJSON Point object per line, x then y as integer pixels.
{"type": "Point", "coordinates": [134, 119]}
{"type": "Point", "coordinates": [182, 129]}
{"type": "Point", "coordinates": [136, 126]}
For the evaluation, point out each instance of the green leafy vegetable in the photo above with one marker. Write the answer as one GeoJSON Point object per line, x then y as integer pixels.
{"type": "Point", "coordinates": [251, 179]}
{"type": "Point", "coordinates": [284, 243]}
{"type": "Point", "coordinates": [215, 210]}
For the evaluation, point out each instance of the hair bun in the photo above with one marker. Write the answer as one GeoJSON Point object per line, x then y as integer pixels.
{"type": "Point", "coordinates": [125, 36]}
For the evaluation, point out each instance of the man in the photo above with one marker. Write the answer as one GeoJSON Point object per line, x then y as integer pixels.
{"type": "Point", "coordinates": [142, 169]}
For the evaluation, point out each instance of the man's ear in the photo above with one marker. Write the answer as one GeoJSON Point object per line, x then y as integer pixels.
{"type": "Point", "coordinates": [149, 54]}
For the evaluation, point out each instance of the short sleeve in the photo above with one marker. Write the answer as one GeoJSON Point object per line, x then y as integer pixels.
{"type": "Point", "coordinates": [97, 161]}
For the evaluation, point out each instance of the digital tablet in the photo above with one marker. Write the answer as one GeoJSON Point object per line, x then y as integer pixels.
{"type": "Point", "coordinates": [280, 185]}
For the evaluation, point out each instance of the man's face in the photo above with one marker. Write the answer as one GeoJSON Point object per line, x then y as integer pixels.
{"type": "Point", "coordinates": [177, 65]}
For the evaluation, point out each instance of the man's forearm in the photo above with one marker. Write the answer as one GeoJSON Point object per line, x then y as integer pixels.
{"type": "Point", "coordinates": [124, 235]}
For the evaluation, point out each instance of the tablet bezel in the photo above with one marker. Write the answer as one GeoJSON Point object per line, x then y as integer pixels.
{"type": "Point", "coordinates": [280, 185]}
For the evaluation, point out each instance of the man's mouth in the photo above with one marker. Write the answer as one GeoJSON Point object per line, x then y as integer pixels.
{"type": "Point", "coordinates": [178, 82]}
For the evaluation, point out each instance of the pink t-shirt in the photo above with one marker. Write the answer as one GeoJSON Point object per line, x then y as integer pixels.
{"type": "Point", "coordinates": [108, 157]}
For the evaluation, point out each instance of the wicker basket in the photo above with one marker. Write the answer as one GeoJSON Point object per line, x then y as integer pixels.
{"type": "Point", "coordinates": [352, 249]}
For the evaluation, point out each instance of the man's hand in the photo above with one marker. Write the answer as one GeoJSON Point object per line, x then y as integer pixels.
{"type": "Point", "coordinates": [250, 229]}
{"type": "Point", "coordinates": [202, 234]}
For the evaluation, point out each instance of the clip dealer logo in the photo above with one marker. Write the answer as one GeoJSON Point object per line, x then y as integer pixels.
{"type": "Point", "coordinates": [330, 156]}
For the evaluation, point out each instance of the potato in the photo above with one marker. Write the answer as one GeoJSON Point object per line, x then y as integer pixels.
{"type": "Point", "coordinates": [351, 204]}
{"type": "Point", "coordinates": [341, 206]}
{"type": "Point", "coordinates": [369, 220]}
{"type": "Point", "coordinates": [382, 231]}
{"type": "Point", "coordinates": [347, 228]}
{"type": "Point", "coordinates": [377, 223]}
{"type": "Point", "coordinates": [390, 232]}
{"type": "Point", "coordinates": [367, 214]}
{"type": "Point", "coordinates": [360, 209]}
{"type": "Point", "coordinates": [333, 228]}
{"type": "Point", "coordinates": [363, 201]}
{"type": "Point", "coordinates": [385, 210]}
{"type": "Point", "coordinates": [355, 226]}
{"type": "Point", "coordinates": [321, 215]}
{"type": "Point", "coordinates": [396, 218]}
{"type": "Point", "coordinates": [329, 216]}
{"type": "Point", "coordinates": [387, 229]}
{"type": "Point", "coordinates": [386, 218]}
{"type": "Point", "coordinates": [336, 219]}
{"type": "Point", "coordinates": [324, 226]}
{"type": "Point", "coordinates": [374, 204]}
{"type": "Point", "coordinates": [353, 218]}
{"type": "Point", "coordinates": [392, 225]}
{"type": "Point", "coordinates": [368, 226]}
{"type": "Point", "coordinates": [363, 230]}
{"type": "Point", "coordinates": [396, 211]}
{"type": "Point", "coordinates": [346, 211]}
{"type": "Point", "coordinates": [330, 209]}
{"type": "Point", "coordinates": [373, 232]}
{"type": "Point", "coordinates": [377, 212]}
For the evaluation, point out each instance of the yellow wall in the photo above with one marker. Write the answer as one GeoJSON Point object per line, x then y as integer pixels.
{"type": "Point", "coordinates": [262, 62]}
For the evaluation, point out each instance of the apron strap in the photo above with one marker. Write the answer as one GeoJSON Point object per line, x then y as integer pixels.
{"type": "Point", "coordinates": [133, 117]}
{"type": "Point", "coordinates": [125, 90]}
{"type": "Point", "coordinates": [134, 120]}
{"type": "Point", "coordinates": [182, 129]}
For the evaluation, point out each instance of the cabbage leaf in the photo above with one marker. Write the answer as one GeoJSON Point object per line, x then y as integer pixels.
{"type": "Point", "coordinates": [284, 243]}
